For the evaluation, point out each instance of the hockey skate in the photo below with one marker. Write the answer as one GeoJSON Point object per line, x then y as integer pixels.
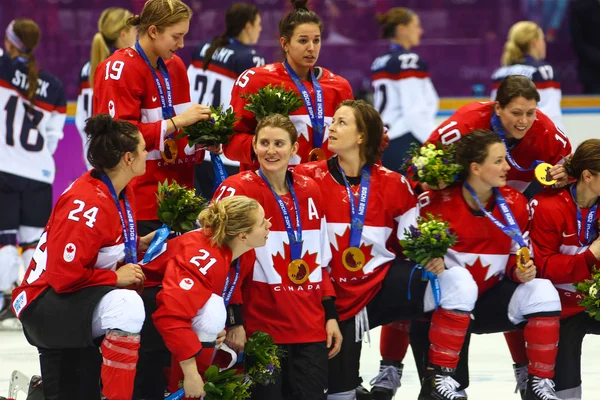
{"type": "Point", "coordinates": [540, 389]}
{"type": "Point", "coordinates": [19, 382]}
{"type": "Point", "coordinates": [387, 382]}
{"type": "Point", "coordinates": [439, 385]}
{"type": "Point", "coordinates": [521, 378]}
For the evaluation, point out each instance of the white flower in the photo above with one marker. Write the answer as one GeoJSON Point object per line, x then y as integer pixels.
{"type": "Point", "coordinates": [278, 94]}
{"type": "Point", "coordinates": [593, 290]}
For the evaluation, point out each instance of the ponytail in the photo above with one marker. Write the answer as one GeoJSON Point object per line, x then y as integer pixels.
{"type": "Point", "coordinates": [224, 219]}
{"type": "Point", "coordinates": [217, 42]}
{"type": "Point", "coordinates": [100, 52]}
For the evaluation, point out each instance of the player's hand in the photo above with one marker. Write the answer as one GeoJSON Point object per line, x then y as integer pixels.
{"type": "Point", "coordinates": [435, 265]}
{"type": "Point", "coordinates": [559, 173]}
{"type": "Point", "coordinates": [236, 338]}
{"type": "Point", "coordinates": [221, 337]}
{"type": "Point", "coordinates": [130, 274]}
{"type": "Point", "coordinates": [595, 248]}
{"type": "Point", "coordinates": [193, 386]}
{"type": "Point", "coordinates": [145, 241]}
{"type": "Point", "coordinates": [528, 274]}
{"type": "Point", "coordinates": [213, 148]}
{"type": "Point", "coordinates": [193, 114]}
{"type": "Point", "coordinates": [334, 337]}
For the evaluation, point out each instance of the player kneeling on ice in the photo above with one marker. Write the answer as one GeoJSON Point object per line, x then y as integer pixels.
{"type": "Point", "coordinates": [76, 287]}
{"type": "Point", "coordinates": [491, 221]}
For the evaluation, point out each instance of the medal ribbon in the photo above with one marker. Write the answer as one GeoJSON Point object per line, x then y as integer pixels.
{"type": "Point", "coordinates": [512, 230]}
{"type": "Point", "coordinates": [499, 130]}
{"type": "Point", "coordinates": [166, 102]}
{"type": "Point", "coordinates": [358, 214]}
{"type": "Point", "coordinates": [228, 291]}
{"type": "Point", "coordinates": [590, 235]}
{"type": "Point", "coordinates": [129, 231]}
{"type": "Point", "coordinates": [219, 170]}
{"type": "Point", "coordinates": [295, 238]}
{"type": "Point", "coordinates": [317, 117]}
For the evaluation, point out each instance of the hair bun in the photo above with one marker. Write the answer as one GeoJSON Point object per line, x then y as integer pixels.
{"type": "Point", "coordinates": [300, 4]}
{"type": "Point", "coordinates": [134, 21]}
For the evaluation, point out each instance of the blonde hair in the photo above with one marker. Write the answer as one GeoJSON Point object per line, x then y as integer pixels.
{"type": "Point", "coordinates": [277, 121]}
{"type": "Point", "coordinates": [28, 32]}
{"type": "Point", "coordinates": [111, 23]}
{"type": "Point", "coordinates": [223, 220]}
{"type": "Point", "coordinates": [519, 40]}
{"type": "Point", "coordinates": [160, 13]}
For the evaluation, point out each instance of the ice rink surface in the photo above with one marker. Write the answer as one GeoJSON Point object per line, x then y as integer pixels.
{"type": "Point", "coordinates": [490, 365]}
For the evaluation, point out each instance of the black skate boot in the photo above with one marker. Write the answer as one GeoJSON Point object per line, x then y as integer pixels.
{"type": "Point", "coordinates": [362, 393]}
{"type": "Point", "coordinates": [540, 389]}
{"type": "Point", "coordinates": [387, 382]}
{"type": "Point", "coordinates": [439, 385]}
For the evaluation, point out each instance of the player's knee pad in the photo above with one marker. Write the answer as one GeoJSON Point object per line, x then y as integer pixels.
{"type": "Point", "coordinates": [210, 319]}
{"type": "Point", "coordinates": [458, 290]}
{"type": "Point", "coordinates": [120, 309]}
{"type": "Point", "coordinates": [349, 395]}
{"type": "Point", "coordinates": [30, 235]}
{"type": "Point", "coordinates": [10, 262]}
{"type": "Point", "coordinates": [533, 297]}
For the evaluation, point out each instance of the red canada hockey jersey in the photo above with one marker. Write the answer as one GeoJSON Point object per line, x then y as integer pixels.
{"type": "Point", "coordinates": [391, 207]}
{"type": "Point", "coordinates": [290, 312]}
{"type": "Point", "coordinates": [544, 141]}
{"type": "Point", "coordinates": [82, 244]}
{"type": "Point", "coordinates": [559, 255]}
{"type": "Point", "coordinates": [335, 90]}
{"type": "Point", "coordinates": [124, 87]}
{"type": "Point", "coordinates": [482, 248]}
{"type": "Point", "coordinates": [194, 270]}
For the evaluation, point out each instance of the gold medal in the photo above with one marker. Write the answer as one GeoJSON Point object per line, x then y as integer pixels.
{"type": "Point", "coordinates": [317, 155]}
{"type": "Point", "coordinates": [523, 257]}
{"type": "Point", "coordinates": [353, 259]}
{"type": "Point", "coordinates": [298, 271]}
{"type": "Point", "coordinates": [542, 174]}
{"type": "Point", "coordinates": [169, 154]}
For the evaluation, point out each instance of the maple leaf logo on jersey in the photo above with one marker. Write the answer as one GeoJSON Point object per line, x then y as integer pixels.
{"type": "Point", "coordinates": [350, 259]}
{"type": "Point", "coordinates": [69, 253]}
{"type": "Point", "coordinates": [478, 270]}
{"type": "Point", "coordinates": [297, 272]}
{"type": "Point", "coordinates": [186, 283]}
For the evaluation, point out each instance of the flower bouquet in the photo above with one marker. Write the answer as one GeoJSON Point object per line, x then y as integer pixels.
{"type": "Point", "coordinates": [213, 131]}
{"type": "Point", "coordinates": [272, 100]}
{"type": "Point", "coordinates": [261, 358]}
{"type": "Point", "coordinates": [590, 291]}
{"type": "Point", "coordinates": [225, 385]}
{"type": "Point", "coordinates": [432, 164]}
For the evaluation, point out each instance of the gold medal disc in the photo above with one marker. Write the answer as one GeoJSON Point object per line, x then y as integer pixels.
{"type": "Point", "coordinates": [317, 155]}
{"type": "Point", "coordinates": [523, 257]}
{"type": "Point", "coordinates": [353, 259]}
{"type": "Point", "coordinates": [169, 154]}
{"type": "Point", "coordinates": [542, 174]}
{"type": "Point", "coordinates": [298, 271]}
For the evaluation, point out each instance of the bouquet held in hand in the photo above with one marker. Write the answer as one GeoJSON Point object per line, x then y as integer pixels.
{"type": "Point", "coordinates": [430, 238]}
{"type": "Point", "coordinates": [261, 358]}
{"type": "Point", "coordinates": [432, 164]}
{"type": "Point", "coordinates": [272, 100]}
{"type": "Point", "coordinates": [591, 296]}
{"type": "Point", "coordinates": [225, 385]}
{"type": "Point", "coordinates": [178, 207]}
{"type": "Point", "coordinates": [213, 131]}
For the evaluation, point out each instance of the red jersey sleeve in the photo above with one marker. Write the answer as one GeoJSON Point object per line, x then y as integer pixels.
{"type": "Point", "coordinates": [239, 147]}
{"type": "Point", "coordinates": [546, 239]}
{"type": "Point", "coordinates": [183, 294]}
{"type": "Point", "coordinates": [118, 91]}
{"type": "Point", "coordinates": [73, 243]}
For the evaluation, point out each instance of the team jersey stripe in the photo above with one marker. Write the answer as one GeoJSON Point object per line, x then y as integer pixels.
{"type": "Point", "coordinates": [538, 85]}
{"type": "Point", "coordinates": [216, 68]}
{"type": "Point", "coordinates": [400, 75]}
{"type": "Point", "coordinates": [38, 103]}
{"type": "Point", "coordinates": [84, 85]}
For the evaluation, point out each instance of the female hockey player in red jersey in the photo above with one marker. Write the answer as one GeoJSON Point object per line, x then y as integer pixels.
{"type": "Point", "coordinates": [567, 248]}
{"type": "Point", "coordinates": [491, 220]}
{"type": "Point", "coordinates": [73, 292]}
{"type": "Point", "coordinates": [148, 86]}
{"type": "Point", "coordinates": [524, 54]}
{"type": "Point", "coordinates": [285, 290]}
{"type": "Point", "coordinates": [370, 275]}
{"type": "Point", "coordinates": [114, 32]}
{"type": "Point", "coordinates": [216, 65]}
{"type": "Point", "coordinates": [322, 90]}
{"type": "Point", "coordinates": [198, 285]}
{"type": "Point", "coordinates": [403, 92]}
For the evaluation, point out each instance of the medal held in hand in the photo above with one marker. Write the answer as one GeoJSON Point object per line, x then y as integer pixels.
{"type": "Point", "coordinates": [317, 154]}
{"type": "Point", "coordinates": [542, 174]}
{"type": "Point", "coordinates": [169, 154]}
{"type": "Point", "coordinates": [523, 257]}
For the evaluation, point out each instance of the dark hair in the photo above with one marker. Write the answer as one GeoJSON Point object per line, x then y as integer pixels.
{"type": "Point", "coordinates": [394, 17]}
{"type": "Point", "coordinates": [277, 121]}
{"type": "Point", "coordinates": [236, 18]}
{"type": "Point", "coordinates": [473, 148]}
{"type": "Point", "coordinates": [369, 123]}
{"type": "Point", "coordinates": [108, 140]}
{"type": "Point", "coordinates": [587, 156]}
{"type": "Point", "coordinates": [160, 13]}
{"type": "Point", "coordinates": [514, 86]}
{"type": "Point", "coordinates": [298, 16]}
{"type": "Point", "coordinates": [29, 33]}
